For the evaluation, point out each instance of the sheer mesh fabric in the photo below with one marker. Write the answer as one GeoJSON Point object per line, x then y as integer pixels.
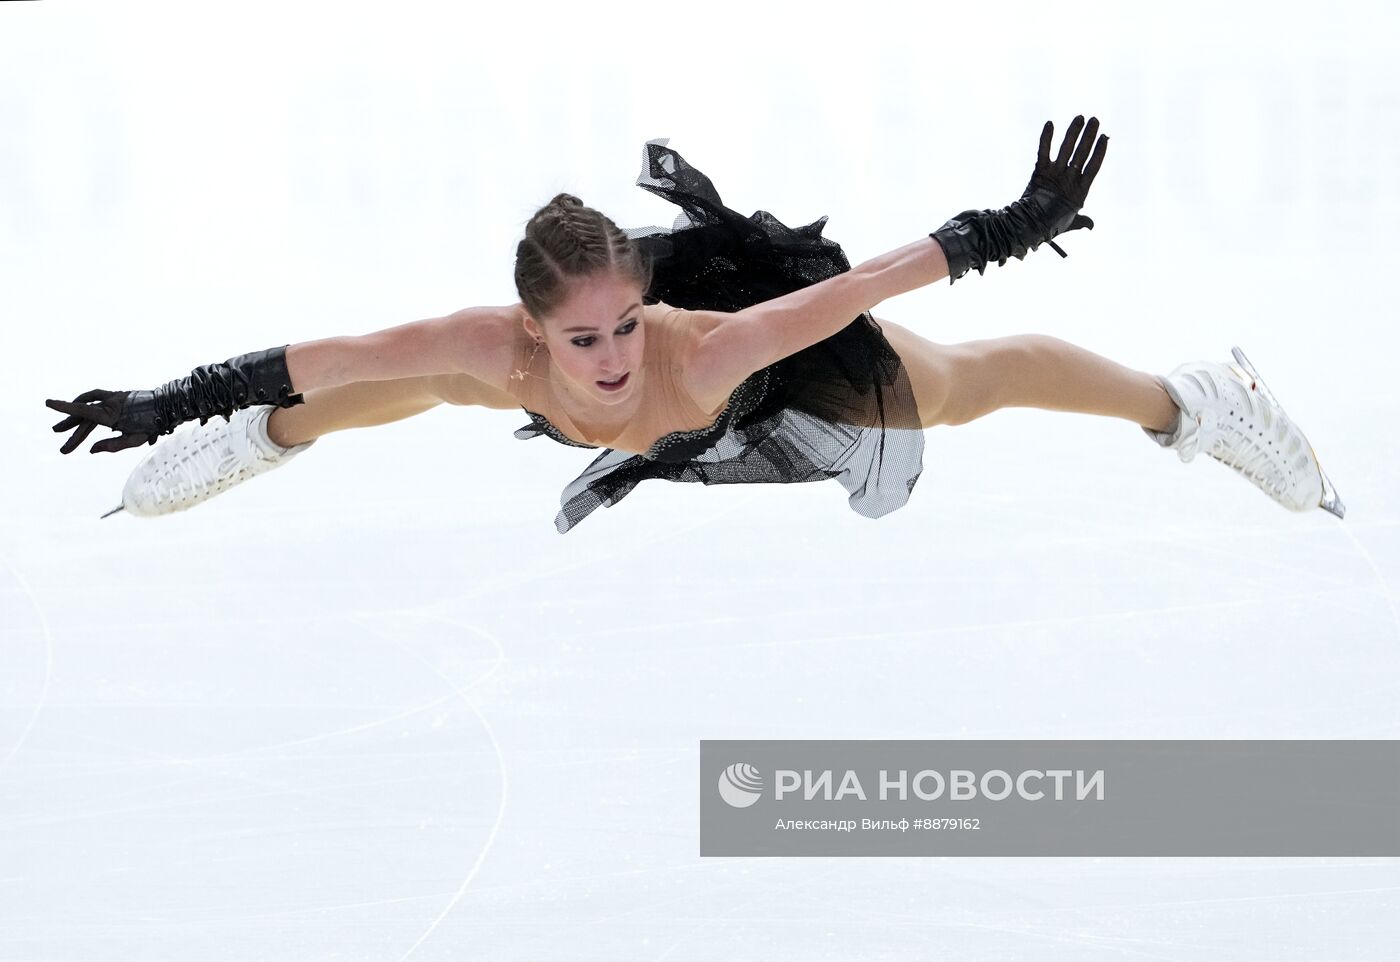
{"type": "Point", "coordinates": [841, 408]}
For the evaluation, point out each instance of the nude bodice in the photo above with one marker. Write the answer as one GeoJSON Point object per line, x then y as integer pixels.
{"type": "Point", "coordinates": [664, 408]}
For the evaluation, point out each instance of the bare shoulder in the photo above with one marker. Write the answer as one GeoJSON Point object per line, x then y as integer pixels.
{"type": "Point", "coordinates": [709, 364]}
{"type": "Point", "coordinates": [485, 341]}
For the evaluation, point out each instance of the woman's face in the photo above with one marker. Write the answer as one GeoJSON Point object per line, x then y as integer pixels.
{"type": "Point", "coordinates": [595, 336]}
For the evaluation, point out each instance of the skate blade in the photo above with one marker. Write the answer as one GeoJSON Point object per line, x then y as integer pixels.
{"type": "Point", "coordinates": [120, 507]}
{"type": "Point", "coordinates": [1330, 501]}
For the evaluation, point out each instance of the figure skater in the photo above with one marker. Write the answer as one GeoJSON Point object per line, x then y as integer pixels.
{"type": "Point", "coordinates": [727, 349]}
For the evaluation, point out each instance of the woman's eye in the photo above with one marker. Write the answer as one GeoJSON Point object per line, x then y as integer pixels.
{"type": "Point", "coordinates": [627, 328]}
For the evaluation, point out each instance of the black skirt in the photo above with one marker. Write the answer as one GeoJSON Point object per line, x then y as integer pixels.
{"type": "Point", "coordinates": [841, 408]}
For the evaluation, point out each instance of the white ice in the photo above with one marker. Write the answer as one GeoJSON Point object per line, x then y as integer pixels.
{"type": "Point", "coordinates": [373, 706]}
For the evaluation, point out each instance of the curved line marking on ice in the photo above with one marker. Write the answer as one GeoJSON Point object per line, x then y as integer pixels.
{"type": "Point", "coordinates": [1376, 570]}
{"type": "Point", "coordinates": [460, 691]}
{"type": "Point", "coordinates": [48, 664]}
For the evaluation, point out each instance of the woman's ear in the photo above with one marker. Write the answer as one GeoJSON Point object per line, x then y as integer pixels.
{"type": "Point", "coordinates": [533, 329]}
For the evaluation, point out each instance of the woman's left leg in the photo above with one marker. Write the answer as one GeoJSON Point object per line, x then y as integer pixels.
{"type": "Point", "coordinates": [958, 383]}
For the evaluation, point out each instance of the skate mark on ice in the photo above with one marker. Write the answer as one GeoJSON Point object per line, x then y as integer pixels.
{"type": "Point", "coordinates": [1375, 569]}
{"type": "Point", "coordinates": [459, 691]}
{"type": "Point", "coordinates": [48, 665]}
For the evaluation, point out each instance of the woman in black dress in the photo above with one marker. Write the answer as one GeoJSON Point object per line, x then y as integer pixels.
{"type": "Point", "coordinates": [727, 349]}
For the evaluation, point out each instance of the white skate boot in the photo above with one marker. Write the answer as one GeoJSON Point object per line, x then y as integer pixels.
{"type": "Point", "coordinates": [1229, 414]}
{"type": "Point", "coordinates": [194, 465]}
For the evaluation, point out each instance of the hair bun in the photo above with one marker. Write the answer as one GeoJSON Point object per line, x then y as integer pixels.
{"type": "Point", "coordinates": [566, 240]}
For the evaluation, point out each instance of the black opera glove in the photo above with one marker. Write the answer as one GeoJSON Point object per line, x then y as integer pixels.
{"type": "Point", "coordinates": [1049, 206]}
{"type": "Point", "coordinates": [140, 417]}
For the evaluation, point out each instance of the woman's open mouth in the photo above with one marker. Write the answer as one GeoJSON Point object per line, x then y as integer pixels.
{"type": "Point", "coordinates": [616, 384]}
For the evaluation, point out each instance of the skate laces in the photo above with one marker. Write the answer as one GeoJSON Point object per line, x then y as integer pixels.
{"type": "Point", "coordinates": [1222, 444]}
{"type": "Point", "coordinates": [1249, 440]}
{"type": "Point", "coordinates": [203, 464]}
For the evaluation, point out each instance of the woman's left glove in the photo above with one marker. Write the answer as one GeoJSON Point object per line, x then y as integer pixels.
{"type": "Point", "coordinates": [1060, 187]}
{"type": "Point", "coordinates": [1049, 206]}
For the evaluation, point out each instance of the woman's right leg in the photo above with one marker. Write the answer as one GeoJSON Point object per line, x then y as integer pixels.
{"type": "Point", "coordinates": [194, 465]}
{"type": "Point", "coordinates": [368, 403]}
{"type": "Point", "coordinates": [359, 405]}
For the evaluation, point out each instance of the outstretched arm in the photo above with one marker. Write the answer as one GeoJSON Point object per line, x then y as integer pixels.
{"type": "Point", "coordinates": [476, 341]}
{"type": "Point", "coordinates": [727, 348]}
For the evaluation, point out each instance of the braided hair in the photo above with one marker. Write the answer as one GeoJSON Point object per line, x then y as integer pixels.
{"type": "Point", "coordinates": [565, 242]}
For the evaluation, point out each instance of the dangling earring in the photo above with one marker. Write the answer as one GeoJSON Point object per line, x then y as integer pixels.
{"type": "Point", "coordinates": [519, 375]}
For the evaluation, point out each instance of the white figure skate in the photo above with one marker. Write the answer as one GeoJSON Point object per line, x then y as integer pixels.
{"type": "Point", "coordinates": [192, 466]}
{"type": "Point", "coordinates": [1229, 414]}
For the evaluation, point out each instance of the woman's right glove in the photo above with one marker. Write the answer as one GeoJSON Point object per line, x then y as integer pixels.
{"type": "Point", "coordinates": [1048, 207]}
{"type": "Point", "coordinates": [140, 417]}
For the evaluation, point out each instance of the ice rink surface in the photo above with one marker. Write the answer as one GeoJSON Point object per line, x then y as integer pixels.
{"type": "Point", "coordinates": [372, 706]}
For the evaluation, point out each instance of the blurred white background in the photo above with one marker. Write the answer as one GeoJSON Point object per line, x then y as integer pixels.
{"type": "Point", "coordinates": [373, 706]}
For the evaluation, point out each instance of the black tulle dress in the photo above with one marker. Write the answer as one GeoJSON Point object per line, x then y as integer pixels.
{"type": "Point", "coordinates": [841, 408]}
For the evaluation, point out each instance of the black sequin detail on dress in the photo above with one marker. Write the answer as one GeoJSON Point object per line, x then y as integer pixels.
{"type": "Point", "coordinates": [841, 408]}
